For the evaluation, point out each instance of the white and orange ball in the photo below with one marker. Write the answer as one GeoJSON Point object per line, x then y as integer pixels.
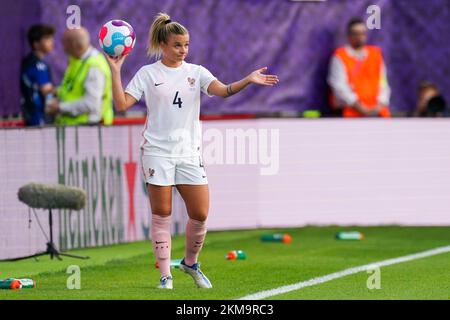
{"type": "Point", "coordinates": [117, 38]}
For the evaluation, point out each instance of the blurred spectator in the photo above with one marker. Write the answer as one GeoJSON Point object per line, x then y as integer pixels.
{"type": "Point", "coordinates": [357, 76]}
{"type": "Point", "coordinates": [85, 95]}
{"type": "Point", "coordinates": [430, 102]}
{"type": "Point", "coordinates": [35, 76]}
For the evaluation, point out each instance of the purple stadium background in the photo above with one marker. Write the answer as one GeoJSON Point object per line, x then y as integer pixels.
{"type": "Point", "coordinates": [233, 37]}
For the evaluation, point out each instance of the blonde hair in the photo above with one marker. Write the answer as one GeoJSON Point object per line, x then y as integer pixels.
{"type": "Point", "coordinates": [160, 30]}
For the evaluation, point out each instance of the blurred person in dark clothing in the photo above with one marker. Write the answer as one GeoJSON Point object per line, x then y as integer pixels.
{"type": "Point", "coordinates": [35, 76]}
{"type": "Point", "coordinates": [430, 102]}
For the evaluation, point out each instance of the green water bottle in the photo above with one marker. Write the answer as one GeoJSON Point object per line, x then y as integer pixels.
{"type": "Point", "coordinates": [10, 283]}
{"type": "Point", "coordinates": [352, 235]}
{"type": "Point", "coordinates": [175, 263]}
{"type": "Point", "coordinates": [27, 283]}
{"type": "Point", "coordinates": [277, 237]}
{"type": "Point", "coordinates": [236, 255]}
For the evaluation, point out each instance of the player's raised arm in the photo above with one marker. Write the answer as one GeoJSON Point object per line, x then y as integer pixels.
{"type": "Point", "coordinates": [122, 100]}
{"type": "Point", "coordinates": [259, 77]}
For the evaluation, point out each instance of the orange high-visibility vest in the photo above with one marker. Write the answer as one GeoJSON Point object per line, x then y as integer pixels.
{"type": "Point", "coordinates": [364, 78]}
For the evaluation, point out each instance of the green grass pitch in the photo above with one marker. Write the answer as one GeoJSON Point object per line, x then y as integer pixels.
{"type": "Point", "coordinates": [127, 271]}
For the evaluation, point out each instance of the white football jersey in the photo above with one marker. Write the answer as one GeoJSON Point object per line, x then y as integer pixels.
{"type": "Point", "coordinates": [172, 96]}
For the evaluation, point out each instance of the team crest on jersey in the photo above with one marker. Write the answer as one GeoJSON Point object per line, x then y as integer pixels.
{"type": "Point", "coordinates": [41, 66]}
{"type": "Point", "coordinates": [151, 172]}
{"type": "Point", "coordinates": [191, 82]}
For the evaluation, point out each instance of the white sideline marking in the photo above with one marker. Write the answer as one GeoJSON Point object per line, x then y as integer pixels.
{"type": "Point", "coordinates": [312, 282]}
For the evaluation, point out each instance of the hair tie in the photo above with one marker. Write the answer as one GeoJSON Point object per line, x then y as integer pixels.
{"type": "Point", "coordinates": [167, 21]}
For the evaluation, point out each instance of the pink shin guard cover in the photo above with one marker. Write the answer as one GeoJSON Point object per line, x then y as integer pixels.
{"type": "Point", "coordinates": [195, 236]}
{"type": "Point", "coordinates": [161, 240]}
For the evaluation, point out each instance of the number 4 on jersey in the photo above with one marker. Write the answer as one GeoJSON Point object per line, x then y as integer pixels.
{"type": "Point", "coordinates": [177, 101]}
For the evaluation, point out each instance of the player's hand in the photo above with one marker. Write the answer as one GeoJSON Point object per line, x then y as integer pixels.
{"type": "Point", "coordinates": [374, 112]}
{"type": "Point", "coordinates": [368, 112]}
{"type": "Point", "coordinates": [115, 63]}
{"type": "Point", "coordinates": [258, 77]}
{"type": "Point", "coordinates": [52, 107]}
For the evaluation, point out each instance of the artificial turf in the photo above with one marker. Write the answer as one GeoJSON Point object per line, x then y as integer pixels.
{"type": "Point", "coordinates": [127, 271]}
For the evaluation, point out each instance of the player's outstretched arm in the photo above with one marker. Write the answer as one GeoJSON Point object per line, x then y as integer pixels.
{"type": "Point", "coordinates": [259, 77]}
{"type": "Point", "coordinates": [122, 101]}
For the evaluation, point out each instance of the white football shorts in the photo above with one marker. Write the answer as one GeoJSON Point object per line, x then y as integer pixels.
{"type": "Point", "coordinates": [165, 171]}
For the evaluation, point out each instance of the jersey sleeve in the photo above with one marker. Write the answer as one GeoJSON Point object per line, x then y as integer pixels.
{"type": "Point", "coordinates": [206, 77]}
{"type": "Point", "coordinates": [135, 87]}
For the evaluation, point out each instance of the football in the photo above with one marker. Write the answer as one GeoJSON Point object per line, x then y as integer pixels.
{"type": "Point", "coordinates": [117, 38]}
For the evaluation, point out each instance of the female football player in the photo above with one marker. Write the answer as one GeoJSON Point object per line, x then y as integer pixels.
{"type": "Point", "coordinates": [171, 148]}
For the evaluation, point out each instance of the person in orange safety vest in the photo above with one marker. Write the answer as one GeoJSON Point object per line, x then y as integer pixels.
{"type": "Point", "coordinates": [357, 76]}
